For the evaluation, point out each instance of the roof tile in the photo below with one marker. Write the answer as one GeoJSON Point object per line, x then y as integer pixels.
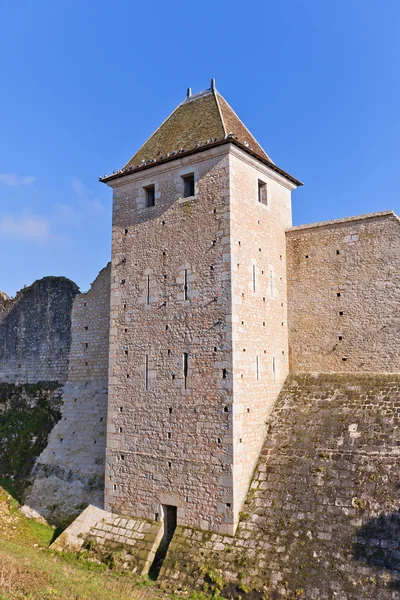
{"type": "Point", "coordinates": [201, 118]}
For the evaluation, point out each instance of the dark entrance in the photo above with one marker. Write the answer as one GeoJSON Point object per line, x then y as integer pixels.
{"type": "Point", "coordinates": [169, 524]}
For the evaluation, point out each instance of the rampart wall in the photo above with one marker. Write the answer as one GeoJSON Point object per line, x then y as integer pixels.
{"type": "Point", "coordinates": [35, 332]}
{"type": "Point", "coordinates": [322, 515]}
{"type": "Point", "coordinates": [69, 473]}
{"type": "Point", "coordinates": [344, 295]}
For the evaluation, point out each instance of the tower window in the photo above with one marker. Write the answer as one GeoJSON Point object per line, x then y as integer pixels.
{"type": "Point", "coordinates": [188, 185]}
{"type": "Point", "coordinates": [262, 192]}
{"type": "Point", "coordinates": [150, 195]}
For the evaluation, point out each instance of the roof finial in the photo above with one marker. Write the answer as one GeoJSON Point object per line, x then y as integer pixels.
{"type": "Point", "coordinates": [189, 92]}
{"type": "Point", "coordinates": [213, 88]}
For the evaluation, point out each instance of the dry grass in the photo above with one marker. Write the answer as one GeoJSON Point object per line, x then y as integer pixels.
{"type": "Point", "coordinates": [29, 571]}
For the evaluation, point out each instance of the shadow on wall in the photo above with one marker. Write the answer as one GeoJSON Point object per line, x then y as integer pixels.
{"type": "Point", "coordinates": [378, 545]}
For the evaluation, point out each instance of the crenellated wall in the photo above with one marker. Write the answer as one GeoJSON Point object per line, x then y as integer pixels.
{"type": "Point", "coordinates": [344, 295]}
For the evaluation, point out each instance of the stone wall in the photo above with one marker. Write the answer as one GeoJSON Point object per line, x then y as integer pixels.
{"type": "Point", "coordinates": [170, 442]}
{"type": "Point", "coordinates": [69, 474]}
{"type": "Point", "coordinates": [28, 413]}
{"type": "Point", "coordinates": [121, 543]}
{"type": "Point", "coordinates": [322, 517]}
{"type": "Point", "coordinates": [259, 310]}
{"type": "Point", "coordinates": [35, 332]}
{"type": "Point", "coordinates": [344, 295]}
{"type": "Point", "coordinates": [182, 285]}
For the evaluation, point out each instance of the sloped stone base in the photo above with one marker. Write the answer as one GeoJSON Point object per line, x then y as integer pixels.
{"type": "Point", "coordinates": [110, 538]}
{"type": "Point", "coordinates": [322, 518]}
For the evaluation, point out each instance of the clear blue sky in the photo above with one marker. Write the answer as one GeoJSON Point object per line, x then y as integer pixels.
{"type": "Point", "coordinates": [84, 83]}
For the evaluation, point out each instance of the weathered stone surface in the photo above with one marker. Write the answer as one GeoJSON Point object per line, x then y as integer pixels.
{"type": "Point", "coordinates": [322, 515]}
{"type": "Point", "coordinates": [105, 535]}
{"type": "Point", "coordinates": [344, 295]}
{"type": "Point", "coordinates": [182, 284]}
{"type": "Point", "coordinates": [35, 332]}
{"type": "Point", "coordinates": [28, 413]}
{"type": "Point", "coordinates": [69, 474]}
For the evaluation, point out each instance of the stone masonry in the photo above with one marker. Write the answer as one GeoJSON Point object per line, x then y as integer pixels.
{"type": "Point", "coordinates": [105, 535]}
{"type": "Point", "coordinates": [198, 341]}
{"type": "Point", "coordinates": [69, 473]}
{"type": "Point", "coordinates": [321, 519]}
{"type": "Point", "coordinates": [171, 443]}
{"type": "Point", "coordinates": [259, 310]}
{"type": "Point", "coordinates": [35, 332]}
{"type": "Point", "coordinates": [252, 370]}
{"type": "Point", "coordinates": [344, 295]}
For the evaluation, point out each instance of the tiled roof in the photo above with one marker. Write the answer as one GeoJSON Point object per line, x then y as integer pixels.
{"type": "Point", "coordinates": [200, 122]}
{"type": "Point", "coordinates": [200, 118]}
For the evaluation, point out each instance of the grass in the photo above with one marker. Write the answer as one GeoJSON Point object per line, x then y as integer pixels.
{"type": "Point", "coordinates": [29, 570]}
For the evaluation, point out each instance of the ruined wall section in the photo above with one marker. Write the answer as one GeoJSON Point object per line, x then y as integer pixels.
{"type": "Point", "coordinates": [69, 473]}
{"type": "Point", "coordinates": [259, 305]}
{"type": "Point", "coordinates": [35, 332]}
{"type": "Point", "coordinates": [344, 295]}
{"type": "Point", "coordinates": [5, 305]}
{"type": "Point", "coordinates": [171, 443]}
{"type": "Point", "coordinates": [322, 516]}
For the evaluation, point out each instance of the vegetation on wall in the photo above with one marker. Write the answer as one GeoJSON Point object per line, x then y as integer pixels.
{"type": "Point", "coordinates": [28, 413]}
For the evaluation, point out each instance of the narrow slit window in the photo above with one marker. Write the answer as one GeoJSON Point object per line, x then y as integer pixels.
{"type": "Point", "coordinates": [254, 278]}
{"type": "Point", "coordinates": [148, 289]}
{"type": "Point", "coordinates": [150, 195]}
{"type": "Point", "coordinates": [257, 368]}
{"type": "Point", "coordinates": [188, 185]}
{"type": "Point", "coordinates": [262, 192]}
{"type": "Point", "coordinates": [273, 366]}
{"type": "Point", "coordinates": [185, 367]}
{"type": "Point", "coordinates": [271, 282]}
{"type": "Point", "coordinates": [146, 382]}
{"type": "Point", "coordinates": [185, 285]}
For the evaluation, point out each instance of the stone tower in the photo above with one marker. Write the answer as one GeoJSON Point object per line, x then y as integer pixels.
{"type": "Point", "coordinates": [198, 336]}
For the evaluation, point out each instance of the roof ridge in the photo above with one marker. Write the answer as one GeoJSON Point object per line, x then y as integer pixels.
{"type": "Point", "coordinates": [191, 97]}
{"type": "Point", "coordinates": [245, 127]}
{"type": "Point", "coordinates": [214, 90]}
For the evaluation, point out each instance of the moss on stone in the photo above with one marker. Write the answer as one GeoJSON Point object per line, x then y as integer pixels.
{"type": "Point", "coordinates": [28, 413]}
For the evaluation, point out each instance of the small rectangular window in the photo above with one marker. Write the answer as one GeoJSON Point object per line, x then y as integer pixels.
{"type": "Point", "coordinates": [188, 185]}
{"type": "Point", "coordinates": [262, 192]}
{"type": "Point", "coordinates": [150, 196]}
